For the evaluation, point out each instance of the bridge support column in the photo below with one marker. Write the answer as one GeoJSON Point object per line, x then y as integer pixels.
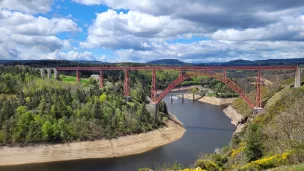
{"type": "Point", "coordinates": [101, 79]}
{"type": "Point", "coordinates": [225, 75]}
{"type": "Point", "coordinates": [56, 74]}
{"type": "Point", "coordinates": [298, 78]}
{"type": "Point", "coordinates": [42, 72]}
{"type": "Point", "coordinates": [77, 76]}
{"type": "Point", "coordinates": [181, 74]}
{"type": "Point", "coordinates": [49, 71]}
{"type": "Point", "coordinates": [258, 98]}
{"type": "Point", "coordinates": [126, 84]}
{"type": "Point", "coordinates": [153, 109]}
{"type": "Point", "coordinates": [153, 88]}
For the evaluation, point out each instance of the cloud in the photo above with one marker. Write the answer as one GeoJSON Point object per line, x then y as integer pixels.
{"type": "Point", "coordinates": [237, 29]}
{"type": "Point", "coordinates": [16, 22]}
{"type": "Point", "coordinates": [211, 14]}
{"type": "Point", "coordinates": [72, 55]}
{"type": "Point", "coordinates": [289, 28]}
{"type": "Point", "coordinates": [134, 30]}
{"type": "Point", "coordinates": [24, 36]}
{"type": "Point", "coordinates": [214, 50]}
{"type": "Point", "coordinates": [27, 6]}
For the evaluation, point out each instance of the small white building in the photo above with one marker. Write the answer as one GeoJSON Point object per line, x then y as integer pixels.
{"type": "Point", "coordinates": [95, 76]}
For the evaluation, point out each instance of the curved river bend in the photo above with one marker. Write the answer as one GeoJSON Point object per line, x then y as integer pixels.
{"type": "Point", "coordinates": [207, 128]}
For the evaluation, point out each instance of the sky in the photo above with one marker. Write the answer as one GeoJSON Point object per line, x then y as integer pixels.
{"type": "Point", "coordinates": [145, 30]}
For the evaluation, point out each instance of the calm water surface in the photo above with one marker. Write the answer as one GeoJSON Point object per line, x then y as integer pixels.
{"type": "Point", "coordinates": [207, 128]}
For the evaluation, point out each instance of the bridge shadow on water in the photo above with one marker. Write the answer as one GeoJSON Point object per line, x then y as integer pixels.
{"type": "Point", "coordinates": [208, 128]}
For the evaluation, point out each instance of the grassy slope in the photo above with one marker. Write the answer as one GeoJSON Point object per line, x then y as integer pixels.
{"type": "Point", "coordinates": [297, 167]}
{"type": "Point", "coordinates": [66, 78]}
{"type": "Point", "coordinates": [276, 99]}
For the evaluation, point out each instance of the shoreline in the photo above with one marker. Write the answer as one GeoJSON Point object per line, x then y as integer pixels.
{"type": "Point", "coordinates": [102, 149]}
{"type": "Point", "coordinates": [210, 100]}
{"type": "Point", "coordinates": [234, 116]}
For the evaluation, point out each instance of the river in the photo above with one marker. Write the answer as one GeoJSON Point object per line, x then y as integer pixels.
{"type": "Point", "coordinates": [207, 128]}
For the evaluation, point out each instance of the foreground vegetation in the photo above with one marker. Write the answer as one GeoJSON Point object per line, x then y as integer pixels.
{"type": "Point", "coordinates": [36, 110]}
{"type": "Point", "coordinates": [271, 139]}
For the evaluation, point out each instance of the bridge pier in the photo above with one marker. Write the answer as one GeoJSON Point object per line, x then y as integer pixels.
{"type": "Point", "coordinates": [153, 87]}
{"type": "Point", "coordinates": [42, 72]}
{"type": "Point", "coordinates": [77, 76]}
{"type": "Point", "coordinates": [49, 73]}
{"type": "Point", "coordinates": [56, 74]}
{"type": "Point", "coordinates": [126, 84]}
{"type": "Point", "coordinates": [258, 96]}
{"type": "Point", "coordinates": [100, 79]}
{"type": "Point", "coordinates": [153, 109]}
{"type": "Point", "coordinates": [298, 78]}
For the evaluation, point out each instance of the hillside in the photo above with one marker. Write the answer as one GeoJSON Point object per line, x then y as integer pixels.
{"type": "Point", "coordinates": [273, 138]}
{"type": "Point", "coordinates": [239, 62]}
{"type": "Point", "coordinates": [167, 62]}
{"type": "Point", "coordinates": [34, 110]}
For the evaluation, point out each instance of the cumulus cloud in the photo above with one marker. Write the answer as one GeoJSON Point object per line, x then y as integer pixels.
{"type": "Point", "coordinates": [237, 29]}
{"type": "Point", "coordinates": [214, 14]}
{"type": "Point", "coordinates": [71, 55]}
{"type": "Point", "coordinates": [289, 28]}
{"type": "Point", "coordinates": [16, 22]}
{"type": "Point", "coordinates": [214, 50]}
{"type": "Point", "coordinates": [134, 30]}
{"type": "Point", "coordinates": [24, 36]}
{"type": "Point", "coordinates": [154, 29]}
{"type": "Point", "coordinates": [27, 6]}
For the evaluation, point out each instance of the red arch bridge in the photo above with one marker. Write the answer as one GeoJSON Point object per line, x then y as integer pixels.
{"type": "Point", "coordinates": [186, 72]}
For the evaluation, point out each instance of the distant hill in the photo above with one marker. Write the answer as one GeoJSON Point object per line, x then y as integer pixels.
{"type": "Point", "coordinates": [167, 62]}
{"type": "Point", "coordinates": [232, 63]}
{"type": "Point", "coordinates": [174, 62]}
{"type": "Point", "coordinates": [49, 63]}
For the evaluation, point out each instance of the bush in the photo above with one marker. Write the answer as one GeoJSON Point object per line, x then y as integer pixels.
{"type": "Point", "coordinates": [145, 169]}
{"type": "Point", "coordinates": [297, 156]}
{"type": "Point", "coordinates": [169, 167]}
{"type": "Point", "coordinates": [207, 165]}
{"type": "Point", "coordinates": [219, 160]}
{"type": "Point", "coordinates": [268, 162]}
{"type": "Point", "coordinates": [196, 169]}
{"type": "Point", "coordinates": [253, 150]}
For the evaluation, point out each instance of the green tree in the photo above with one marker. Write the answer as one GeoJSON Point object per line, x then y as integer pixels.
{"type": "Point", "coordinates": [253, 140]}
{"type": "Point", "coordinates": [47, 131]}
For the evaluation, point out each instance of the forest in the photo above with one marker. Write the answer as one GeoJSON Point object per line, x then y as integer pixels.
{"type": "Point", "coordinates": [37, 110]}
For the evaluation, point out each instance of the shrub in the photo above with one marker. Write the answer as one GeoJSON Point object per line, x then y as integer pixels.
{"type": "Point", "coordinates": [253, 150]}
{"type": "Point", "coordinates": [219, 160]}
{"type": "Point", "coordinates": [235, 152]}
{"type": "Point", "coordinates": [196, 169]}
{"type": "Point", "coordinates": [169, 167]}
{"type": "Point", "coordinates": [207, 165]}
{"type": "Point", "coordinates": [268, 162]}
{"type": "Point", "coordinates": [145, 169]}
{"type": "Point", "coordinates": [297, 156]}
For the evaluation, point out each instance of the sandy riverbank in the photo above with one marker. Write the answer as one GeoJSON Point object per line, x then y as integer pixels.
{"type": "Point", "coordinates": [122, 146]}
{"type": "Point", "coordinates": [210, 100]}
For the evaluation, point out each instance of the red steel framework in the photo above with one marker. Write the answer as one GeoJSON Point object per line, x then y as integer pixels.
{"type": "Point", "coordinates": [153, 87]}
{"type": "Point", "coordinates": [191, 71]}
